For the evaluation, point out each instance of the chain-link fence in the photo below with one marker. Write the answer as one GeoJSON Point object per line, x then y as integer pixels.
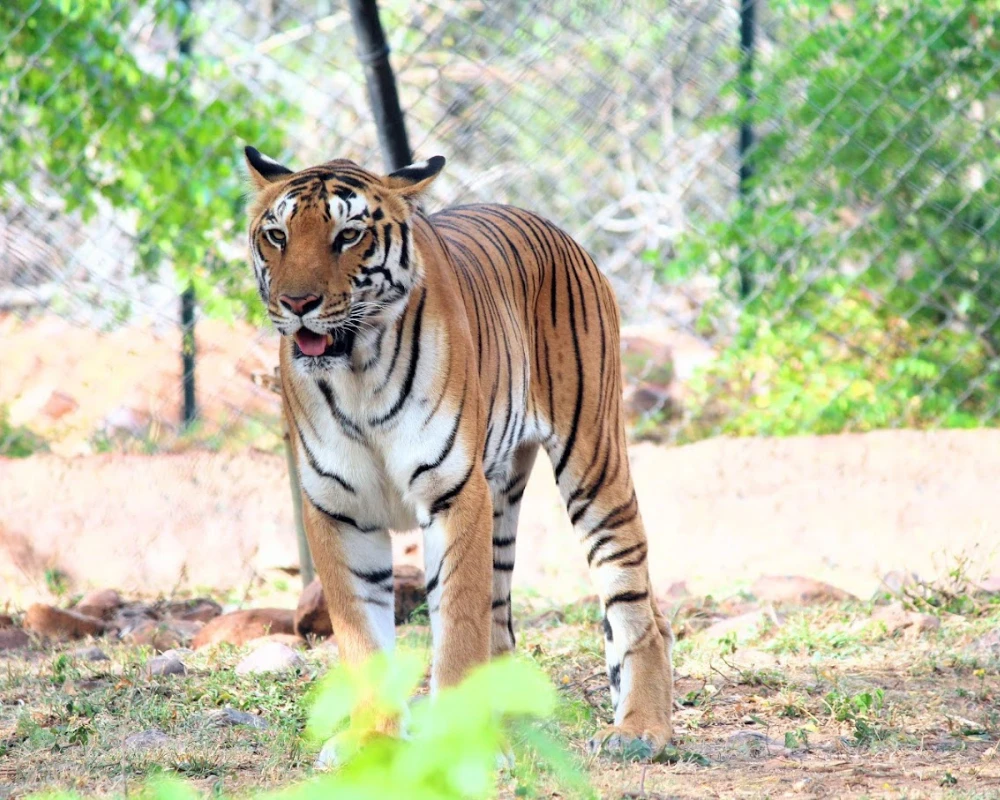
{"type": "Point", "coordinates": [796, 201]}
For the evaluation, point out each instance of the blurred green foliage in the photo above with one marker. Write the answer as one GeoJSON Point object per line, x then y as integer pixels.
{"type": "Point", "coordinates": [17, 441]}
{"type": "Point", "coordinates": [871, 237]}
{"type": "Point", "coordinates": [156, 136]}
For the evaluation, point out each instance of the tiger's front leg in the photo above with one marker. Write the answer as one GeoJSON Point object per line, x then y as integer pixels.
{"type": "Point", "coordinates": [354, 566]}
{"type": "Point", "coordinates": [458, 555]}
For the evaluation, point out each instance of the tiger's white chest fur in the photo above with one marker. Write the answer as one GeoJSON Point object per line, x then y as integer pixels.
{"type": "Point", "coordinates": [370, 437]}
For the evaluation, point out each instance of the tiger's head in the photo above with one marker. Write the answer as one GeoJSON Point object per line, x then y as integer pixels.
{"type": "Point", "coordinates": [332, 249]}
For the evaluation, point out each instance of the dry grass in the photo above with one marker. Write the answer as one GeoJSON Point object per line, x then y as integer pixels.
{"type": "Point", "coordinates": [823, 704]}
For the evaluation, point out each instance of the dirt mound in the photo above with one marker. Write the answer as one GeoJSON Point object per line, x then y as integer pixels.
{"type": "Point", "coordinates": [75, 386]}
{"type": "Point", "coordinates": [843, 509]}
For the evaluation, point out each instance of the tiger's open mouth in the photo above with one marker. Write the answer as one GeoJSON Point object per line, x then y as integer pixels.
{"type": "Point", "coordinates": [337, 343]}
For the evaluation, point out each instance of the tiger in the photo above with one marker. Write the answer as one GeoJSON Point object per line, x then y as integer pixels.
{"type": "Point", "coordinates": [424, 360]}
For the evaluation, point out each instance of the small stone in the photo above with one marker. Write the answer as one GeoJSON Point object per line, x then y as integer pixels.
{"type": "Point", "coordinates": [758, 745]}
{"type": "Point", "coordinates": [745, 626]}
{"type": "Point", "coordinates": [410, 590]}
{"type": "Point", "coordinates": [59, 623]}
{"type": "Point", "coordinates": [131, 616]}
{"type": "Point", "coordinates": [239, 627]}
{"type": "Point", "coordinates": [222, 717]}
{"type": "Point", "coordinates": [6, 621]}
{"type": "Point", "coordinates": [101, 604]}
{"type": "Point", "coordinates": [90, 654]}
{"type": "Point", "coordinates": [59, 405]}
{"type": "Point", "coordinates": [987, 644]}
{"type": "Point", "coordinates": [989, 586]}
{"type": "Point", "coordinates": [270, 657]}
{"type": "Point", "coordinates": [185, 629]}
{"type": "Point", "coordinates": [157, 635]}
{"type": "Point", "coordinates": [149, 740]}
{"type": "Point", "coordinates": [165, 665]}
{"type": "Point", "coordinates": [200, 609]}
{"type": "Point", "coordinates": [895, 584]}
{"type": "Point", "coordinates": [311, 614]}
{"type": "Point", "coordinates": [177, 652]}
{"type": "Point", "coordinates": [896, 617]}
{"type": "Point", "coordinates": [797, 590]}
{"type": "Point", "coordinates": [296, 642]}
{"type": "Point", "coordinates": [13, 639]}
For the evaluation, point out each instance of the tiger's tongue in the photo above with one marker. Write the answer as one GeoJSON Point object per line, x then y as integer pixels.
{"type": "Point", "coordinates": [311, 344]}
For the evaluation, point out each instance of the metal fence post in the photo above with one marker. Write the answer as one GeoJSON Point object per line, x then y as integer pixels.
{"type": "Point", "coordinates": [373, 53]}
{"type": "Point", "coordinates": [747, 44]}
{"type": "Point", "coordinates": [188, 298]}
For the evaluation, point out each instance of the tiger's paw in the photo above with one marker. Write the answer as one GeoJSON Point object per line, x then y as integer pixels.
{"type": "Point", "coordinates": [332, 755]}
{"type": "Point", "coordinates": [337, 750]}
{"type": "Point", "coordinates": [630, 743]}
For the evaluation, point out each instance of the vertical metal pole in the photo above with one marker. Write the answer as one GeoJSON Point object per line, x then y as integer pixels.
{"type": "Point", "coordinates": [747, 45]}
{"type": "Point", "coordinates": [188, 354]}
{"type": "Point", "coordinates": [373, 53]}
{"type": "Point", "coordinates": [187, 297]}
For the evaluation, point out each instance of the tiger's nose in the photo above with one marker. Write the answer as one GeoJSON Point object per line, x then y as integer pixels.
{"type": "Point", "coordinates": [300, 305]}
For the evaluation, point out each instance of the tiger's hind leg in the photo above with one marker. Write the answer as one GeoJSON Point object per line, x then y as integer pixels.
{"type": "Point", "coordinates": [637, 637]}
{"type": "Point", "coordinates": [596, 485]}
{"type": "Point", "coordinates": [506, 509]}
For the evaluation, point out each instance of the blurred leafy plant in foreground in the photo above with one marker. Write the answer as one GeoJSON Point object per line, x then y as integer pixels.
{"type": "Point", "coordinates": [452, 744]}
{"type": "Point", "coordinates": [870, 236]}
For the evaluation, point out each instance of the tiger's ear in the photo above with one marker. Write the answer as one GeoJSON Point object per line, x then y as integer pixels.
{"type": "Point", "coordinates": [412, 181]}
{"type": "Point", "coordinates": [263, 171]}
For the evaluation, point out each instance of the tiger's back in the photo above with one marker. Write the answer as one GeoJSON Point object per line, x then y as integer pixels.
{"type": "Point", "coordinates": [545, 326]}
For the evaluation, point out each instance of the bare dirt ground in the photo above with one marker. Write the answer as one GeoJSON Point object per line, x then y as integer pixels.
{"type": "Point", "coordinates": [845, 509]}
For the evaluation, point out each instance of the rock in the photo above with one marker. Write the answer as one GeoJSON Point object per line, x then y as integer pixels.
{"type": "Point", "coordinates": [59, 405]}
{"type": "Point", "coordinates": [224, 717]}
{"type": "Point", "coordinates": [744, 626]}
{"type": "Point", "coordinates": [644, 359]}
{"type": "Point", "coordinates": [124, 420]}
{"type": "Point", "coordinates": [13, 639]}
{"type": "Point", "coordinates": [286, 639]}
{"type": "Point", "coordinates": [165, 665]}
{"type": "Point", "coordinates": [676, 595]}
{"type": "Point", "coordinates": [894, 584]}
{"type": "Point", "coordinates": [987, 645]}
{"type": "Point", "coordinates": [989, 586]}
{"type": "Point", "coordinates": [200, 609]}
{"type": "Point", "coordinates": [312, 615]}
{"type": "Point", "coordinates": [239, 627]}
{"type": "Point", "coordinates": [797, 590]}
{"type": "Point", "coordinates": [149, 740]}
{"type": "Point", "coordinates": [59, 623]}
{"type": "Point", "coordinates": [90, 654]}
{"type": "Point", "coordinates": [270, 657]}
{"type": "Point", "coordinates": [6, 621]}
{"type": "Point", "coordinates": [410, 590]}
{"type": "Point", "coordinates": [757, 745]}
{"type": "Point", "coordinates": [896, 617]}
{"type": "Point", "coordinates": [160, 636]}
{"type": "Point", "coordinates": [178, 653]}
{"type": "Point", "coordinates": [101, 604]}
{"type": "Point", "coordinates": [185, 629]}
{"type": "Point", "coordinates": [131, 616]}
{"type": "Point", "coordinates": [643, 399]}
